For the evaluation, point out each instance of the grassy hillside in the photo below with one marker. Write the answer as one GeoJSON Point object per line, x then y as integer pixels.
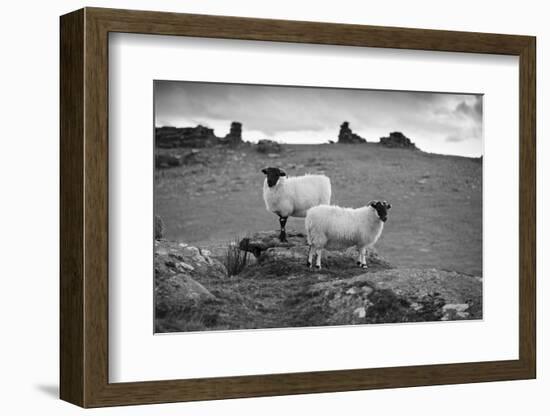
{"type": "Point", "coordinates": [436, 216]}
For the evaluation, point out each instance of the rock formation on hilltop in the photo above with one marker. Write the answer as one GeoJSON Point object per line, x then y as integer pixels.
{"type": "Point", "coordinates": [196, 137]}
{"type": "Point", "coordinates": [347, 136]}
{"type": "Point", "coordinates": [397, 139]}
{"type": "Point", "coordinates": [268, 146]}
{"type": "Point", "coordinates": [170, 137]}
{"type": "Point", "coordinates": [234, 136]}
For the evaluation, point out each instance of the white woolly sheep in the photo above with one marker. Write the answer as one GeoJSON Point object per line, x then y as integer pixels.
{"type": "Point", "coordinates": [335, 227]}
{"type": "Point", "coordinates": [293, 196]}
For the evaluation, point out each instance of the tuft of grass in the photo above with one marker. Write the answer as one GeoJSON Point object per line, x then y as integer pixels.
{"type": "Point", "coordinates": [235, 259]}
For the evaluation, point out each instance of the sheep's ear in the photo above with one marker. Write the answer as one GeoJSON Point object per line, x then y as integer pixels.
{"type": "Point", "coordinates": [282, 172]}
{"type": "Point", "coordinates": [388, 205]}
{"type": "Point", "coordinates": [372, 203]}
{"type": "Point", "coordinates": [264, 171]}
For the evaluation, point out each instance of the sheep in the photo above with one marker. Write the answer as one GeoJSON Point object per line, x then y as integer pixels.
{"type": "Point", "coordinates": [336, 227]}
{"type": "Point", "coordinates": [293, 196]}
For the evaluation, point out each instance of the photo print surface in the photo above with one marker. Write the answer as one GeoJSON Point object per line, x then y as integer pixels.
{"type": "Point", "coordinates": [292, 206]}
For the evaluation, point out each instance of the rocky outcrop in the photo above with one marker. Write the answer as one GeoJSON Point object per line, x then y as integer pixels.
{"type": "Point", "coordinates": [397, 139]}
{"type": "Point", "coordinates": [196, 137]}
{"type": "Point", "coordinates": [181, 277]}
{"type": "Point", "coordinates": [277, 290]}
{"type": "Point", "coordinates": [400, 295]}
{"type": "Point", "coordinates": [174, 257]}
{"type": "Point", "coordinates": [178, 295]}
{"type": "Point", "coordinates": [268, 146]}
{"type": "Point", "coordinates": [165, 161]}
{"type": "Point", "coordinates": [347, 136]}
{"type": "Point", "coordinates": [234, 137]}
{"type": "Point", "coordinates": [266, 246]}
{"type": "Point", "coordinates": [172, 137]}
{"type": "Point", "coordinates": [258, 243]}
{"type": "Point", "coordinates": [171, 159]}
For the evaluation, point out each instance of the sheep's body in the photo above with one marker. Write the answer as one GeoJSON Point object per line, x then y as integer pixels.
{"type": "Point", "coordinates": [293, 196]}
{"type": "Point", "coordinates": [334, 227]}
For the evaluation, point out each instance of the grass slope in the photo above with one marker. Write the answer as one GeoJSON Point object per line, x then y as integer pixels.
{"type": "Point", "coordinates": [436, 219]}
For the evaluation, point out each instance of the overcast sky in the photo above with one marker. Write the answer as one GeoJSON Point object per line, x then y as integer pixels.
{"type": "Point", "coordinates": [436, 122]}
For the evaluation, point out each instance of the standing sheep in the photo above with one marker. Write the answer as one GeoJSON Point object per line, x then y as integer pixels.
{"type": "Point", "coordinates": [337, 227]}
{"type": "Point", "coordinates": [293, 196]}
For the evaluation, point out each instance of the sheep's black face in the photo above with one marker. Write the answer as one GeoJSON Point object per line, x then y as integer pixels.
{"type": "Point", "coordinates": [273, 175]}
{"type": "Point", "coordinates": [382, 208]}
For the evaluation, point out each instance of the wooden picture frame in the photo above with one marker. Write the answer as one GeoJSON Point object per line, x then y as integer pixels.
{"type": "Point", "coordinates": [84, 207]}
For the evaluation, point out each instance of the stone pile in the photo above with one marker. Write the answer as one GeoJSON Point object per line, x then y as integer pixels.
{"type": "Point", "coordinates": [268, 147]}
{"type": "Point", "coordinates": [196, 137]}
{"type": "Point", "coordinates": [347, 136]}
{"type": "Point", "coordinates": [234, 137]}
{"type": "Point", "coordinates": [397, 139]}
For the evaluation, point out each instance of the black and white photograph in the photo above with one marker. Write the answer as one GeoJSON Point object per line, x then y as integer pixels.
{"type": "Point", "coordinates": [296, 206]}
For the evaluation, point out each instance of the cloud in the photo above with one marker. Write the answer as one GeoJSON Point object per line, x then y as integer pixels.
{"type": "Point", "coordinates": [470, 109]}
{"type": "Point", "coordinates": [454, 138]}
{"type": "Point", "coordinates": [288, 113]}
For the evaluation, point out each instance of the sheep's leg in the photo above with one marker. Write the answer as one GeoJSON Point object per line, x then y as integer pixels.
{"type": "Point", "coordinates": [310, 257]}
{"type": "Point", "coordinates": [362, 257]}
{"type": "Point", "coordinates": [282, 235]}
{"type": "Point", "coordinates": [318, 262]}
